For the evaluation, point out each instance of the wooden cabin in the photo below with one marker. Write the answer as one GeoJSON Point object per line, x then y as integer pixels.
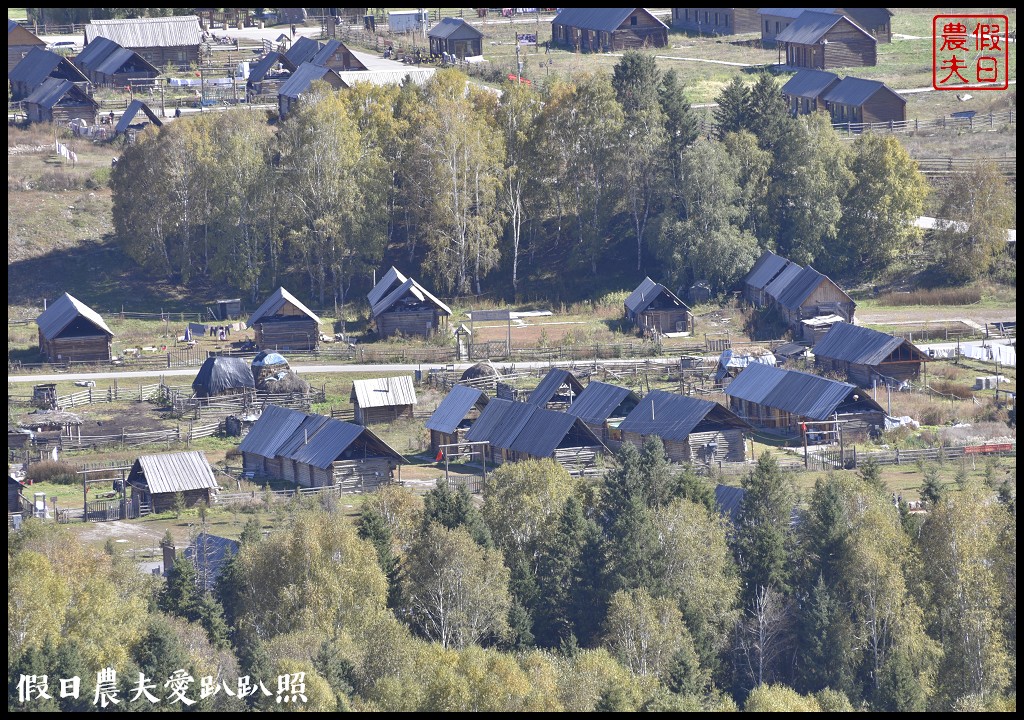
{"type": "Point", "coordinates": [855, 100]}
{"type": "Point", "coordinates": [36, 67]}
{"type": "Point", "coordinates": [812, 330]}
{"type": "Point", "coordinates": [269, 72]}
{"type": "Point", "coordinates": [284, 323]}
{"type": "Point", "coordinates": [867, 356]}
{"type": "Point", "coordinates": [653, 307]}
{"type": "Point", "coordinates": [157, 480]}
{"type": "Point", "coordinates": [456, 37]}
{"type": "Point", "coordinates": [715, 21]}
{"type": "Point", "coordinates": [105, 62]}
{"type": "Point", "coordinates": [453, 418]}
{"type": "Point", "coordinates": [334, 54]}
{"type": "Point", "coordinates": [607, 29]}
{"type": "Point", "coordinates": [382, 400]}
{"type": "Point", "coordinates": [692, 430]}
{"type": "Point", "coordinates": [221, 376]}
{"type": "Point", "coordinates": [557, 390]}
{"type": "Point", "coordinates": [60, 101]}
{"type": "Point", "coordinates": [877, 21]}
{"type": "Point", "coordinates": [602, 407]}
{"type": "Point", "coordinates": [773, 21]}
{"type": "Point", "coordinates": [303, 50]}
{"type": "Point", "coordinates": [783, 400]}
{"type": "Point", "coordinates": [766, 269]}
{"type": "Point", "coordinates": [803, 91]}
{"type": "Point", "coordinates": [810, 294]}
{"type": "Point", "coordinates": [401, 305]}
{"type": "Point", "coordinates": [20, 41]}
{"type": "Point", "coordinates": [821, 41]}
{"type": "Point", "coordinates": [297, 85]}
{"type": "Point", "coordinates": [71, 331]}
{"type": "Point", "coordinates": [159, 40]}
{"type": "Point", "coordinates": [260, 446]}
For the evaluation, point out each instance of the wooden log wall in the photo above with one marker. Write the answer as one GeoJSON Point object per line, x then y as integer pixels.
{"type": "Point", "coordinates": [288, 335]}
{"type": "Point", "coordinates": [85, 347]}
{"type": "Point", "coordinates": [418, 322]}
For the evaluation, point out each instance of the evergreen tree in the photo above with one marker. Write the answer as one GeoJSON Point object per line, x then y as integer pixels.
{"type": "Point", "coordinates": [252, 532]}
{"type": "Point", "coordinates": [181, 595]}
{"type": "Point", "coordinates": [335, 668]}
{"type": "Point", "coordinates": [454, 508]}
{"type": "Point", "coordinates": [827, 655]}
{"type": "Point", "coordinates": [211, 616]}
{"type": "Point", "coordinates": [870, 473]}
{"type": "Point", "coordinates": [734, 105]}
{"type": "Point", "coordinates": [763, 532]}
{"type": "Point", "coordinates": [681, 123]}
{"type": "Point", "coordinates": [825, 533]}
{"type": "Point", "coordinates": [636, 79]}
{"type": "Point", "coordinates": [932, 490]}
{"type": "Point", "coordinates": [373, 527]}
{"type": "Point", "coordinates": [662, 481]}
{"type": "Point", "coordinates": [768, 111]}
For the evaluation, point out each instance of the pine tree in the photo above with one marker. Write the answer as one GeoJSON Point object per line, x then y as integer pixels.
{"type": "Point", "coordinates": [763, 532]}
{"type": "Point", "coordinates": [211, 616]}
{"type": "Point", "coordinates": [827, 654]}
{"type": "Point", "coordinates": [768, 111]}
{"type": "Point", "coordinates": [181, 594]}
{"type": "Point", "coordinates": [373, 527]}
{"type": "Point", "coordinates": [681, 123]}
{"type": "Point", "coordinates": [733, 111]}
{"type": "Point", "coordinates": [454, 508]}
{"type": "Point", "coordinates": [932, 490]}
{"type": "Point", "coordinates": [870, 473]}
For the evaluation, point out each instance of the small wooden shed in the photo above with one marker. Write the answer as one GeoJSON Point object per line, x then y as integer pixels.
{"type": "Point", "coordinates": [825, 40]}
{"type": "Point", "coordinates": [607, 29]}
{"type": "Point", "coordinates": [334, 54]}
{"type": "Point", "coordinates": [105, 62]}
{"type": "Point", "coordinates": [20, 41]}
{"type": "Point", "coordinates": [60, 101]}
{"type": "Point", "coordinates": [282, 322]}
{"type": "Point", "coordinates": [602, 407]}
{"type": "Point", "coordinates": [401, 305]}
{"type": "Point", "coordinates": [156, 480]}
{"type": "Point", "coordinates": [868, 356]}
{"type": "Point", "coordinates": [456, 37]}
{"type": "Point", "coordinates": [716, 20]}
{"type": "Point", "coordinates": [36, 67]}
{"type": "Point", "coordinates": [453, 418]}
{"type": "Point", "coordinates": [766, 269]}
{"type": "Point", "coordinates": [159, 40]}
{"type": "Point", "coordinates": [71, 331]}
{"type": "Point", "coordinates": [856, 100]}
{"type": "Point", "coordinates": [381, 400]}
{"type": "Point", "coordinates": [653, 307]}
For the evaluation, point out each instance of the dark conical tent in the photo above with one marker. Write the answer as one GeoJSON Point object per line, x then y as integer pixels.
{"type": "Point", "coordinates": [481, 369]}
{"type": "Point", "coordinates": [220, 375]}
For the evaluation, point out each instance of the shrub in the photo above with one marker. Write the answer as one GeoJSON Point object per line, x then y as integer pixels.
{"type": "Point", "coordinates": [938, 296]}
{"type": "Point", "coordinates": [57, 472]}
{"type": "Point", "coordinates": [56, 180]}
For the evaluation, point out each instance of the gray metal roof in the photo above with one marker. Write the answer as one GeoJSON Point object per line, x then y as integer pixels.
{"type": "Point", "coordinates": [673, 417]}
{"type": "Point", "coordinates": [646, 293]}
{"type": "Point", "coordinates": [302, 435]}
{"type": "Point", "coordinates": [795, 392]}
{"type": "Point", "coordinates": [453, 409]}
{"type": "Point", "coordinates": [95, 52]}
{"type": "Point", "coordinates": [810, 27]}
{"type": "Point", "coordinates": [456, 28]}
{"type": "Point", "coordinates": [302, 51]}
{"type": "Point", "coordinates": [790, 12]}
{"type": "Point", "coordinates": [300, 80]}
{"type": "Point", "coordinates": [415, 75]}
{"type": "Point", "coordinates": [333, 439]}
{"type": "Point", "coordinates": [767, 267]}
{"type": "Point", "coordinates": [598, 401]}
{"type": "Point", "coordinates": [218, 374]}
{"type": "Point", "coordinates": [545, 431]}
{"type": "Point", "coordinates": [134, 108]}
{"type": "Point", "coordinates": [408, 288]}
{"type": "Point", "coordinates": [172, 472]}
{"type": "Point", "coordinates": [550, 383]}
{"type": "Point", "coordinates": [857, 91]}
{"type": "Point", "coordinates": [53, 91]}
{"type": "Point", "coordinates": [171, 31]}
{"type": "Point", "coordinates": [729, 499]}
{"type": "Point", "coordinates": [801, 287]}
{"type": "Point", "coordinates": [809, 83]}
{"type": "Point", "coordinates": [384, 392]}
{"type": "Point", "coordinates": [274, 426]}
{"type": "Point", "coordinates": [275, 303]}
{"type": "Point", "coordinates": [267, 63]}
{"type": "Point", "coordinates": [781, 281]}
{"type": "Point", "coordinates": [732, 359]}
{"type": "Point", "coordinates": [860, 345]}
{"type": "Point", "coordinates": [385, 285]}
{"type": "Point", "coordinates": [62, 311]}
{"type": "Point", "coordinates": [491, 417]}
{"type": "Point", "coordinates": [126, 60]}
{"type": "Point", "coordinates": [603, 19]}
{"type": "Point", "coordinates": [39, 64]}
{"type": "Point", "coordinates": [209, 553]}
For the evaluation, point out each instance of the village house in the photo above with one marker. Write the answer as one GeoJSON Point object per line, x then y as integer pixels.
{"type": "Point", "coordinates": [36, 67]}
{"type": "Point", "coordinates": [766, 269]}
{"type": "Point", "coordinates": [867, 356]}
{"type": "Point", "coordinates": [607, 29]}
{"type": "Point", "coordinates": [855, 100]}
{"type": "Point", "coordinates": [557, 390]}
{"type": "Point", "coordinates": [716, 21]}
{"type": "Point", "coordinates": [877, 21]}
{"type": "Point", "coordinates": [269, 72]}
{"type": "Point", "coordinates": [381, 400]}
{"type": "Point", "coordinates": [20, 41]}
{"type": "Point", "coordinates": [282, 322]}
{"type": "Point", "coordinates": [297, 85]}
{"type": "Point", "coordinates": [157, 480]}
{"type": "Point", "coordinates": [811, 294]}
{"type": "Point", "coordinates": [220, 376]}
{"type": "Point", "coordinates": [60, 101]}
{"type": "Point", "coordinates": [822, 41]}
{"type": "Point", "coordinates": [456, 37]}
{"type": "Point", "coordinates": [784, 400]}
{"type": "Point", "coordinates": [401, 305]}
{"type": "Point", "coordinates": [159, 40]}
{"type": "Point", "coordinates": [691, 430]}
{"type": "Point", "coordinates": [106, 63]}
{"type": "Point", "coordinates": [71, 331]}
{"type": "Point", "coordinates": [454, 416]}
{"type": "Point", "coordinates": [602, 407]}
{"type": "Point", "coordinates": [803, 91]}
{"type": "Point", "coordinates": [652, 307]}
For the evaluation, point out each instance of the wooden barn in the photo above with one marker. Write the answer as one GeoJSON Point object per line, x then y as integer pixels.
{"type": "Point", "coordinates": [803, 91]}
{"type": "Point", "coordinates": [220, 376]}
{"type": "Point", "coordinates": [856, 100]}
{"type": "Point", "coordinates": [607, 29]}
{"type": "Point", "coordinates": [602, 407]}
{"type": "Point", "coordinates": [557, 390]}
{"type": "Point", "coordinates": [456, 414]}
{"type": "Point", "coordinates": [297, 85]}
{"type": "Point", "coordinates": [868, 356]}
{"type": "Point", "coordinates": [60, 101]}
{"type": "Point", "coordinates": [782, 400]}
{"type": "Point", "coordinates": [105, 62]}
{"type": "Point", "coordinates": [36, 67]}
{"type": "Point", "coordinates": [20, 41]}
{"type": "Point", "coordinates": [284, 323]}
{"type": "Point", "coordinates": [381, 400]}
{"type": "Point", "coordinates": [456, 37]}
{"type": "Point", "coordinates": [692, 430]}
{"type": "Point", "coordinates": [401, 305]}
{"type": "Point", "coordinates": [71, 331]}
{"type": "Point", "coordinates": [822, 40]}
{"type": "Point", "coordinates": [520, 431]}
{"type": "Point", "coordinates": [716, 21]}
{"type": "Point", "coordinates": [811, 294]}
{"type": "Point", "coordinates": [156, 480]}
{"type": "Point", "coordinates": [766, 269]}
{"type": "Point", "coordinates": [159, 40]}
{"type": "Point", "coordinates": [653, 307]}
{"type": "Point", "coordinates": [317, 451]}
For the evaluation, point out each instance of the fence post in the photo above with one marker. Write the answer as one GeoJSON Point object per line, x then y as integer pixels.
{"type": "Point", "coordinates": [897, 456]}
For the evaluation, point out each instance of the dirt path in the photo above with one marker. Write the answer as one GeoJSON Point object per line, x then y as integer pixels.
{"type": "Point", "coordinates": [120, 530]}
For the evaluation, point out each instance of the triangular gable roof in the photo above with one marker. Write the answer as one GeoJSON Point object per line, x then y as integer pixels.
{"type": "Point", "coordinates": [273, 427]}
{"type": "Point", "coordinates": [302, 51]}
{"type": "Point", "coordinates": [134, 108]}
{"type": "Point", "coordinates": [810, 27]}
{"type": "Point", "coordinates": [795, 392]}
{"type": "Point", "coordinates": [306, 431]}
{"type": "Point", "coordinates": [451, 26]}
{"type": "Point", "coordinates": [674, 417]}
{"type": "Point", "coordinates": [546, 429]}
{"type": "Point", "coordinates": [646, 293]}
{"type": "Point", "coordinates": [790, 12]}
{"type": "Point", "coordinates": [172, 472]}
{"type": "Point", "coordinates": [454, 408]}
{"type": "Point", "coordinates": [273, 304]}
{"type": "Point", "coordinates": [120, 60]}
{"type": "Point", "coordinates": [603, 19]}
{"type": "Point", "coordinates": [20, 35]}
{"type": "Point", "coordinates": [860, 345]}
{"type": "Point", "coordinates": [333, 438]}
{"type": "Point", "coordinates": [53, 90]}
{"type": "Point", "coordinates": [62, 311]}
{"type": "Point", "coordinates": [301, 79]}
{"type": "Point", "coordinates": [387, 282]}
{"type": "Point", "coordinates": [40, 64]}
{"type": "Point", "coordinates": [266, 63]}
{"type": "Point", "coordinates": [384, 392]}
{"type": "Point", "coordinates": [857, 91]}
{"type": "Point", "coordinates": [781, 281]}
{"type": "Point", "coordinates": [551, 382]}
{"type": "Point", "coordinates": [409, 287]}
{"type": "Point", "coordinates": [95, 52]}
{"type": "Point", "coordinates": [219, 373]}
{"type": "Point", "coordinates": [767, 267]}
{"type": "Point", "coordinates": [599, 400]}
{"type": "Point", "coordinates": [500, 422]}
{"type": "Point", "coordinates": [801, 287]}
{"type": "Point", "coordinates": [173, 31]}
{"type": "Point", "coordinates": [330, 49]}
{"type": "Point", "coordinates": [809, 83]}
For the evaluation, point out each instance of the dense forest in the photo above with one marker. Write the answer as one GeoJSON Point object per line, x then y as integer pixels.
{"type": "Point", "coordinates": [633, 592]}
{"type": "Point", "coordinates": [585, 178]}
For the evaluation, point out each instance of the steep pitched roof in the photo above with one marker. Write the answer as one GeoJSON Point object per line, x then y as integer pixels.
{"type": "Point", "coordinates": [781, 281]}
{"type": "Point", "coordinates": [62, 311]}
{"type": "Point", "coordinates": [218, 374]}
{"type": "Point", "coordinates": [302, 51]}
{"type": "Point", "coordinates": [500, 422]}
{"type": "Point", "coordinates": [273, 305]}
{"type": "Point", "coordinates": [53, 90]}
{"type": "Point", "coordinates": [801, 287]}
{"type": "Point", "coordinates": [95, 52]}
{"type": "Point", "coordinates": [810, 27]}
{"type": "Point", "coordinates": [331, 441]}
{"type": "Point", "coordinates": [860, 345]}
{"type": "Point", "coordinates": [301, 79]}
{"type": "Point", "coordinates": [172, 472]}
{"type": "Point", "coordinates": [550, 383]}
{"type": "Point", "coordinates": [603, 19]}
{"type": "Point", "coordinates": [767, 267]}
{"type": "Point", "coordinates": [148, 32]}
{"type": "Point", "coordinates": [408, 288]}
{"type": "Point", "coordinates": [795, 392]}
{"type": "Point", "coordinates": [857, 91]}
{"type": "Point", "coordinates": [545, 431]}
{"type": "Point", "coordinates": [385, 285]}
{"type": "Point", "coordinates": [39, 64]}
{"type": "Point", "coordinates": [674, 417]}
{"type": "Point", "coordinates": [384, 392]}
{"type": "Point", "coordinates": [598, 401]}
{"type": "Point", "coordinates": [454, 408]}
{"type": "Point", "coordinates": [267, 63]}
{"type": "Point", "coordinates": [790, 12]}
{"type": "Point", "coordinates": [809, 83]}
{"type": "Point", "coordinates": [273, 428]}
{"type": "Point", "coordinates": [134, 108]}
{"type": "Point", "coordinates": [646, 293]}
{"type": "Point", "coordinates": [450, 26]}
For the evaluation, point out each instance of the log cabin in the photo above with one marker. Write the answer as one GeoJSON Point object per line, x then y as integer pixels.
{"type": "Point", "coordinates": [607, 29]}
{"type": "Point", "coordinates": [803, 91]}
{"type": "Point", "coordinates": [71, 331]}
{"type": "Point", "coordinates": [297, 85]}
{"type": "Point", "coordinates": [401, 305]}
{"type": "Point", "coordinates": [20, 41]}
{"type": "Point", "coordinates": [856, 100]}
{"type": "Point", "coordinates": [811, 294]}
{"type": "Point", "coordinates": [557, 390]}
{"type": "Point", "coordinates": [60, 101]}
{"type": "Point", "coordinates": [766, 269]}
{"type": "Point", "coordinates": [716, 21]}
{"type": "Point", "coordinates": [159, 40]}
{"type": "Point", "coordinates": [156, 480]}
{"type": "Point", "coordinates": [866, 356]}
{"type": "Point", "coordinates": [36, 67]}
{"type": "Point", "coordinates": [454, 416]}
{"type": "Point", "coordinates": [381, 400]}
{"type": "Point", "coordinates": [456, 37]}
{"type": "Point", "coordinates": [106, 63]}
{"type": "Point", "coordinates": [822, 41]}
{"type": "Point", "coordinates": [602, 407]}
{"type": "Point", "coordinates": [653, 307]}
{"type": "Point", "coordinates": [282, 322]}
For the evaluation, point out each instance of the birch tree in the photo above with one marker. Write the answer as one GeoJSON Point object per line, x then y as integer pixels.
{"type": "Point", "coordinates": [517, 114]}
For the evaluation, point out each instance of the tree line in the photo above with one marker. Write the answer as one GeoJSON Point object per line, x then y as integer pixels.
{"type": "Point", "coordinates": [586, 176]}
{"type": "Point", "coordinates": [635, 592]}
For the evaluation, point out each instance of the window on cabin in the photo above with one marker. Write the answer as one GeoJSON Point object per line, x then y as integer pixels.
{"type": "Point", "coordinates": [727, 19]}
{"type": "Point", "coordinates": [706, 16]}
{"type": "Point", "coordinates": [716, 18]}
{"type": "Point", "coordinates": [686, 13]}
{"type": "Point", "coordinates": [777, 27]}
{"type": "Point", "coordinates": [632, 20]}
